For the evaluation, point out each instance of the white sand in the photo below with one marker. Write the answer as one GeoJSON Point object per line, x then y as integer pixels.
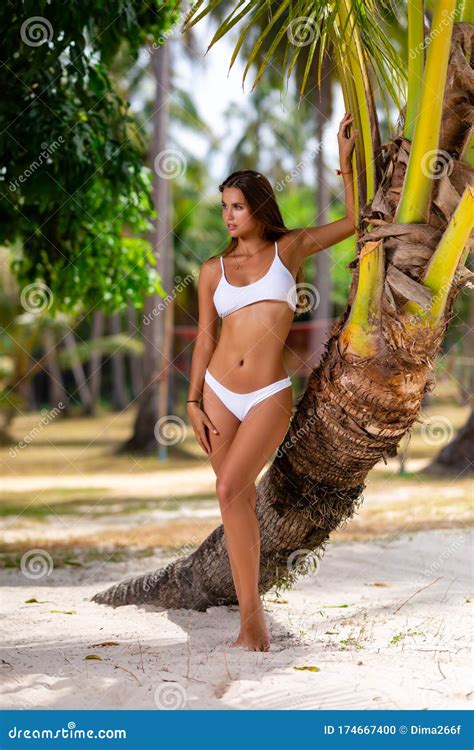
{"type": "Point", "coordinates": [155, 483]}
{"type": "Point", "coordinates": [178, 658]}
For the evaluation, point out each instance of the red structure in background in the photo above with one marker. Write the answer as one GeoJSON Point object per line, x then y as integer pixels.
{"type": "Point", "coordinates": [303, 349]}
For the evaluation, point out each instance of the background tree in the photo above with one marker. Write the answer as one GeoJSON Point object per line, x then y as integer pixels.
{"type": "Point", "coordinates": [72, 166]}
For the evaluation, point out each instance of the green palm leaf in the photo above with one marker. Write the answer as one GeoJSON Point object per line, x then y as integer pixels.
{"type": "Point", "coordinates": [319, 16]}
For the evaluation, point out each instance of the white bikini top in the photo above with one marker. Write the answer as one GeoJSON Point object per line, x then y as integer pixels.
{"type": "Point", "coordinates": [278, 284]}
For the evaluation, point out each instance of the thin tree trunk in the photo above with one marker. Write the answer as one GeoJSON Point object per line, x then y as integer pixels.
{"type": "Point", "coordinates": [322, 315]}
{"type": "Point", "coordinates": [57, 391]}
{"type": "Point", "coordinates": [95, 362]}
{"type": "Point", "coordinates": [78, 372]}
{"type": "Point", "coordinates": [136, 362]}
{"type": "Point", "coordinates": [355, 409]}
{"type": "Point", "coordinates": [153, 400]}
{"type": "Point", "coordinates": [119, 386]}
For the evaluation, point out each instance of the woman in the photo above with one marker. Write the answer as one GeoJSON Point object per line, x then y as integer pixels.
{"type": "Point", "coordinates": [240, 396]}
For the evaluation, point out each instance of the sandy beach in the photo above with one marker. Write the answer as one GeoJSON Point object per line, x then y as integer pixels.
{"type": "Point", "coordinates": [383, 624]}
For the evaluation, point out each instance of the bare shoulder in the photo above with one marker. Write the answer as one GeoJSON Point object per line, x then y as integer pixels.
{"type": "Point", "coordinates": [209, 272]}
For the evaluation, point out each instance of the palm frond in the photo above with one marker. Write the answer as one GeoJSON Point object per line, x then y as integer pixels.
{"type": "Point", "coordinates": [367, 19]}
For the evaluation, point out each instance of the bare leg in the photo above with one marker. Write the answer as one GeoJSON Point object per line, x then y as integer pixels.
{"type": "Point", "coordinates": [258, 436]}
{"type": "Point", "coordinates": [227, 424]}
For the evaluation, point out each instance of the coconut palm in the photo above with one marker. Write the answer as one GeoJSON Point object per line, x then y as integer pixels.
{"type": "Point", "coordinates": [416, 213]}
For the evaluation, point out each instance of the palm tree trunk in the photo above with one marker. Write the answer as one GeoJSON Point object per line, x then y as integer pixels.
{"type": "Point", "coordinates": [156, 334]}
{"type": "Point", "coordinates": [95, 362]}
{"type": "Point", "coordinates": [78, 372]}
{"type": "Point", "coordinates": [57, 391]}
{"type": "Point", "coordinates": [135, 361]}
{"type": "Point", "coordinates": [355, 409]}
{"type": "Point", "coordinates": [119, 385]}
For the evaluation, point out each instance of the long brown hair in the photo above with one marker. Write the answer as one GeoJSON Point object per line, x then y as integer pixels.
{"type": "Point", "coordinates": [259, 195]}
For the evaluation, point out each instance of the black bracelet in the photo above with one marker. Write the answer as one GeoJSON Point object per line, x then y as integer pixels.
{"type": "Point", "coordinates": [193, 401]}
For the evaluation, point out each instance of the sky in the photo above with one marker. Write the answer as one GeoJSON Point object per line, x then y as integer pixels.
{"type": "Point", "coordinates": [213, 89]}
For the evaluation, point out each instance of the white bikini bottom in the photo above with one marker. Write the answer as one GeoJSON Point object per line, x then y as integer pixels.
{"type": "Point", "coordinates": [241, 403]}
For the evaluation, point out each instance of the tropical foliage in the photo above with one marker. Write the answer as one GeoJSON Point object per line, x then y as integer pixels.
{"type": "Point", "coordinates": [76, 197]}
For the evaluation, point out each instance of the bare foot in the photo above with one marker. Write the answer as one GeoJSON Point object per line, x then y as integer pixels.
{"type": "Point", "coordinates": [254, 634]}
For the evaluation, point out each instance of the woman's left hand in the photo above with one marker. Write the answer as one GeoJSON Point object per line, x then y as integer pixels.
{"type": "Point", "coordinates": [346, 144]}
